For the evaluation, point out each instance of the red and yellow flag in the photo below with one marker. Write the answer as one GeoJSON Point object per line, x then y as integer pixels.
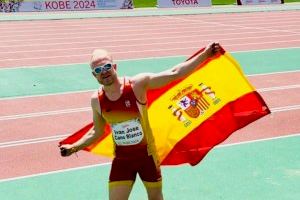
{"type": "Point", "coordinates": [192, 115]}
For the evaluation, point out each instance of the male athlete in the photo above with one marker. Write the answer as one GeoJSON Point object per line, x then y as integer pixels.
{"type": "Point", "coordinates": [122, 103]}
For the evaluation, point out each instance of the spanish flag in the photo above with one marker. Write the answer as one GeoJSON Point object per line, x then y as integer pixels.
{"type": "Point", "coordinates": [192, 115]}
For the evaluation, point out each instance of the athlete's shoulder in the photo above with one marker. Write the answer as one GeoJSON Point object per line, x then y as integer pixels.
{"type": "Point", "coordinates": [141, 76]}
{"type": "Point", "coordinates": [95, 101]}
{"type": "Point", "coordinates": [141, 79]}
{"type": "Point", "coordinates": [95, 94]}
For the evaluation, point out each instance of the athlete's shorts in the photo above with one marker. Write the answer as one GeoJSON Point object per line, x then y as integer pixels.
{"type": "Point", "coordinates": [124, 170]}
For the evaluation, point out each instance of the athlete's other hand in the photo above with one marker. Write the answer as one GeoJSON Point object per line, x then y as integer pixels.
{"type": "Point", "coordinates": [212, 49]}
{"type": "Point", "coordinates": [67, 150]}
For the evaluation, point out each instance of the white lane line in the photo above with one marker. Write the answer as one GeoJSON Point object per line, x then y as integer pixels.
{"type": "Point", "coordinates": [150, 43]}
{"type": "Point", "coordinates": [54, 172]}
{"type": "Point", "coordinates": [247, 26]}
{"type": "Point", "coordinates": [149, 50]}
{"type": "Point", "coordinates": [46, 113]}
{"type": "Point", "coordinates": [133, 37]}
{"type": "Point", "coordinates": [81, 29]}
{"type": "Point", "coordinates": [132, 28]}
{"type": "Point", "coordinates": [99, 37]}
{"type": "Point", "coordinates": [285, 87]}
{"type": "Point", "coordinates": [105, 29]}
{"type": "Point", "coordinates": [285, 108]}
{"type": "Point", "coordinates": [130, 33]}
{"type": "Point", "coordinates": [259, 140]}
{"type": "Point", "coordinates": [274, 73]}
{"type": "Point", "coordinates": [60, 137]}
{"type": "Point", "coordinates": [95, 36]}
{"type": "Point", "coordinates": [109, 163]}
{"type": "Point", "coordinates": [52, 94]}
{"type": "Point", "coordinates": [32, 141]}
{"type": "Point", "coordinates": [87, 109]}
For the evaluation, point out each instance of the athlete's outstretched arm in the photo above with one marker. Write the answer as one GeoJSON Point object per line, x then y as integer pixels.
{"type": "Point", "coordinates": [152, 80]}
{"type": "Point", "coordinates": [92, 135]}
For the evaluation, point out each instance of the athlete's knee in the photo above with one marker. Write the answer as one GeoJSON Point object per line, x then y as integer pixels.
{"type": "Point", "coordinates": [154, 193]}
{"type": "Point", "coordinates": [120, 190]}
{"type": "Point", "coordinates": [119, 195]}
{"type": "Point", "coordinates": [155, 196]}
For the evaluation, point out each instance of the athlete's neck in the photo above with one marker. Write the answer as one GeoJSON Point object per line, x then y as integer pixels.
{"type": "Point", "coordinates": [114, 88]}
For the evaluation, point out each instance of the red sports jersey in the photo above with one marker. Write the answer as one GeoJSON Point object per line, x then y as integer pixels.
{"type": "Point", "coordinates": [128, 119]}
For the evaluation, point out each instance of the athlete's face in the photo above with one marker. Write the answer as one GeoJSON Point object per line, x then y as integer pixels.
{"type": "Point", "coordinates": [105, 72]}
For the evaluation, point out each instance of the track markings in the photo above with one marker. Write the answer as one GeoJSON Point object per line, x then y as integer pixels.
{"type": "Point", "coordinates": [247, 26]}
{"type": "Point", "coordinates": [60, 137]}
{"type": "Point", "coordinates": [151, 43]}
{"type": "Point", "coordinates": [109, 163]}
{"type": "Point", "coordinates": [32, 141]}
{"type": "Point", "coordinates": [132, 52]}
{"type": "Point", "coordinates": [131, 38]}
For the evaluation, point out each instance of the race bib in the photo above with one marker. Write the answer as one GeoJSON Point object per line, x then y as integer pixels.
{"type": "Point", "coordinates": [127, 133]}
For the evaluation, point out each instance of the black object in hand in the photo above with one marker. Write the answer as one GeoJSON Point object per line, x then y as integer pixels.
{"type": "Point", "coordinates": [63, 152]}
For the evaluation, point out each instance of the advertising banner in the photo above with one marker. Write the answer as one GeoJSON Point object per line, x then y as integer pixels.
{"type": "Point", "coordinates": [182, 3]}
{"type": "Point", "coordinates": [258, 2]}
{"type": "Point", "coordinates": [63, 5]}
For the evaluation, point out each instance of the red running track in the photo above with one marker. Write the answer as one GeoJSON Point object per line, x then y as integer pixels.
{"type": "Point", "coordinates": [46, 126]}
{"type": "Point", "coordinates": [38, 43]}
{"type": "Point", "coordinates": [39, 111]}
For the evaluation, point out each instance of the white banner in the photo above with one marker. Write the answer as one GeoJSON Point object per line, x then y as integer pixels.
{"type": "Point", "coordinates": [56, 5]}
{"type": "Point", "coordinates": [182, 3]}
{"type": "Point", "coordinates": [258, 2]}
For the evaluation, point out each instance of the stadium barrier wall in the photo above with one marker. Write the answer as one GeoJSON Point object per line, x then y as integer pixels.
{"type": "Point", "coordinates": [62, 5]}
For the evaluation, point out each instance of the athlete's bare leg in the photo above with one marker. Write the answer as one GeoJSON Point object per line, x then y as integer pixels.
{"type": "Point", "coordinates": [119, 192]}
{"type": "Point", "coordinates": [154, 193]}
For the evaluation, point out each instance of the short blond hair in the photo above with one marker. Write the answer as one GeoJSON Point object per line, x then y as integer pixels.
{"type": "Point", "coordinates": [99, 55]}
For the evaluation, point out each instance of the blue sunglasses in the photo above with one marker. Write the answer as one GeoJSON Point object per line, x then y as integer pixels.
{"type": "Point", "coordinates": [99, 69]}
